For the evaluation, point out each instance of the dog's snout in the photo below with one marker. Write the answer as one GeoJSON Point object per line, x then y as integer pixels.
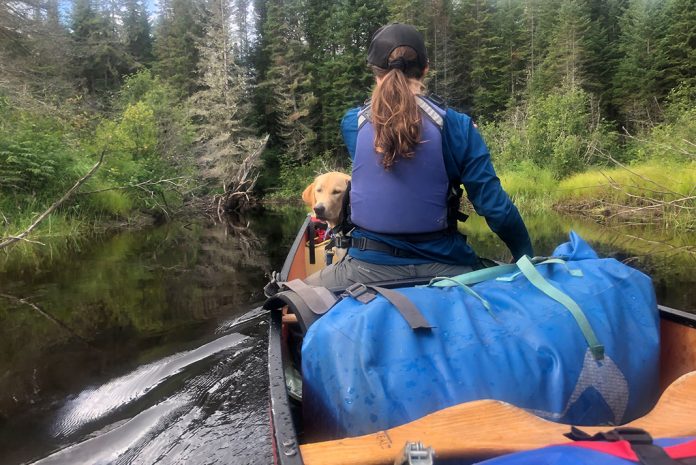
{"type": "Point", "coordinates": [319, 210]}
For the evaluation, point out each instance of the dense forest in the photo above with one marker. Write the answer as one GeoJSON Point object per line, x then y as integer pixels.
{"type": "Point", "coordinates": [585, 104]}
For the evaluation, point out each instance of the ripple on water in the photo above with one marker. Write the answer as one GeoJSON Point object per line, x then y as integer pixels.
{"type": "Point", "coordinates": [96, 403]}
{"type": "Point", "coordinates": [217, 416]}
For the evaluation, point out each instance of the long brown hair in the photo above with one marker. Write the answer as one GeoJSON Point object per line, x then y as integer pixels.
{"type": "Point", "coordinates": [394, 111]}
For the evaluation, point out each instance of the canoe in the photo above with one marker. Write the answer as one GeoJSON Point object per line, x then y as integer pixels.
{"type": "Point", "coordinates": [484, 421]}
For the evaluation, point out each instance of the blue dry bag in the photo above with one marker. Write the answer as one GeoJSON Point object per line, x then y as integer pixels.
{"type": "Point", "coordinates": [573, 340]}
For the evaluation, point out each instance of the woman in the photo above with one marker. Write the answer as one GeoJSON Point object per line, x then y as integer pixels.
{"type": "Point", "coordinates": [410, 156]}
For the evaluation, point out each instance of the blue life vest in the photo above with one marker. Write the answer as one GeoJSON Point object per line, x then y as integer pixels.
{"type": "Point", "coordinates": [410, 197]}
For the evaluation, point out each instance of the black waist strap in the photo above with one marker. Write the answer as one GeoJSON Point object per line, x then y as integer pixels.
{"type": "Point", "coordinates": [363, 243]}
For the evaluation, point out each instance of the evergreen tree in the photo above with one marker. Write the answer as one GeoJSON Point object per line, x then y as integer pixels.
{"type": "Point", "coordinates": [433, 18]}
{"type": "Point", "coordinates": [564, 63]}
{"type": "Point", "coordinates": [678, 46]}
{"type": "Point", "coordinates": [220, 107]}
{"type": "Point", "coordinates": [345, 79]}
{"type": "Point", "coordinates": [137, 33]}
{"type": "Point", "coordinates": [515, 35]}
{"type": "Point", "coordinates": [99, 58]}
{"type": "Point", "coordinates": [242, 31]}
{"type": "Point", "coordinates": [602, 51]}
{"type": "Point", "coordinates": [480, 50]}
{"type": "Point", "coordinates": [176, 54]}
{"type": "Point", "coordinates": [287, 84]}
{"type": "Point", "coordinates": [32, 50]}
{"type": "Point", "coordinates": [635, 82]}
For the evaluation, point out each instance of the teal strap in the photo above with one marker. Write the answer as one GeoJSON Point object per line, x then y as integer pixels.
{"type": "Point", "coordinates": [546, 261]}
{"type": "Point", "coordinates": [455, 282]}
{"type": "Point", "coordinates": [559, 261]}
{"type": "Point", "coordinates": [538, 281]}
{"type": "Point", "coordinates": [474, 277]}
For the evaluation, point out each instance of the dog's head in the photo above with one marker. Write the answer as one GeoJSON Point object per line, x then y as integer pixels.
{"type": "Point", "coordinates": [325, 196]}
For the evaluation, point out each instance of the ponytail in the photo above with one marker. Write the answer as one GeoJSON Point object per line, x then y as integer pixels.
{"type": "Point", "coordinates": [394, 111]}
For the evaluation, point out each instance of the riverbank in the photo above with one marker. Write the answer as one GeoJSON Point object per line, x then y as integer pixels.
{"type": "Point", "coordinates": [656, 193]}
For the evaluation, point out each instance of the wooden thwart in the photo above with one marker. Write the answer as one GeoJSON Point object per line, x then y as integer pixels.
{"type": "Point", "coordinates": [489, 428]}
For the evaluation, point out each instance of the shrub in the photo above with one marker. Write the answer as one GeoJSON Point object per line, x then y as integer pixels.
{"type": "Point", "coordinates": [559, 131]}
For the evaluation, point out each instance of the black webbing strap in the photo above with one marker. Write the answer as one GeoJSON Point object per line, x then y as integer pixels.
{"type": "Point", "coordinates": [318, 299]}
{"type": "Point", "coordinates": [366, 293]}
{"type": "Point", "coordinates": [363, 243]}
{"type": "Point", "coordinates": [312, 234]}
{"type": "Point", "coordinates": [641, 442]}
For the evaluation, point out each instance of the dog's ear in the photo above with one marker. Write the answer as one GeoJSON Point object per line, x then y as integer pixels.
{"type": "Point", "coordinates": [308, 195]}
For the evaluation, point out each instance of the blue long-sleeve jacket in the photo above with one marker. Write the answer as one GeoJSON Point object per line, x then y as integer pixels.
{"type": "Point", "coordinates": [465, 153]}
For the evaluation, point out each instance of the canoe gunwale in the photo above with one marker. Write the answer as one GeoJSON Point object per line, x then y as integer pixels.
{"type": "Point", "coordinates": [678, 316]}
{"type": "Point", "coordinates": [283, 434]}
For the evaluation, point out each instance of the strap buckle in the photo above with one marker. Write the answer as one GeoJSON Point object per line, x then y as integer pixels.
{"type": "Point", "coordinates": [632, 435]}
{"type": "Point", "coordinates": [356, 290]}
{"type": "Point", "coordinates": [360, 243]}
{"type": "Point", "coordinates": [343, 242]}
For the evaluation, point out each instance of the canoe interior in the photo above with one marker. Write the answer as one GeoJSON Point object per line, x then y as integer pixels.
{"type": "Point", "coordinates": [677, 357]}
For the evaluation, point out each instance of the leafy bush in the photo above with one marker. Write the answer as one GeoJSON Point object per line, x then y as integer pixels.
{"type": "Point", "coordinates": [559, 131]}
{"type": "Point", "coordinates": [34, 155]}
{"type": "Point", "coordinates": [674, 140]}
{"type": "Point", "coordinates": [174, 132]}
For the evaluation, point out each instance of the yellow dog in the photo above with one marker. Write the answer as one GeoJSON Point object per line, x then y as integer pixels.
{"type": "Point", "coordinates": [325, 196]}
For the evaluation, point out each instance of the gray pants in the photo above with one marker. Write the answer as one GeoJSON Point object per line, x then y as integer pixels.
{"type": "Point", "coordinates": [351, 270]}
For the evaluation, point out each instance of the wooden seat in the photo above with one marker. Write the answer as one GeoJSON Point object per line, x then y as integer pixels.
{"type": "Point", "coordinates": [488, 428]}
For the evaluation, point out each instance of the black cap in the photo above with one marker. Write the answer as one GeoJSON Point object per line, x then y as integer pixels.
{"type": "Point", "coordinates": [391, 36]}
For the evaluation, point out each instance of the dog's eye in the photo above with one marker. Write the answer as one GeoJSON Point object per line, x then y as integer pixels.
{"type": "Point", "coordinates": [336, 192]}
{"type": "Point", "coordinates": [318, 189]}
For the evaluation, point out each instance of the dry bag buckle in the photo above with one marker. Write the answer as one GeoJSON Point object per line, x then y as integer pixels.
{"type": "Point", "coordinates": [356, 290]}
{"type": "Point", "coordinates": [415, 453]}
{"type": "Point", "coordinates": [360, 292]}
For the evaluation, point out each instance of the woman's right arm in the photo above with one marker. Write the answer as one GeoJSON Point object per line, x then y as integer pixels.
{"type": "Point", "coordinates": [482, 185]}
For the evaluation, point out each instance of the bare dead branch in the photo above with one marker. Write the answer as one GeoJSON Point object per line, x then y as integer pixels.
{"type": "Point", "coordinates": [46, 315]}
{"type": "Point", "coordinates": [142, 185]}
{"type": "Point", "coordinates": [17, 237]}
{"type": "Point", "coordinates": [661, 145]}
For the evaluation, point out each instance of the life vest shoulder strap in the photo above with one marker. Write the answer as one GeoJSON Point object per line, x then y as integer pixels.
{"type": "Point", "coordinates": [430, 109]}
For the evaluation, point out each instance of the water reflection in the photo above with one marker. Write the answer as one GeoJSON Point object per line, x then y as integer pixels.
{"type": "Point", "coordinates": [142, 328]}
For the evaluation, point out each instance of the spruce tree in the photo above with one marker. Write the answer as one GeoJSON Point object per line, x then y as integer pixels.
{"type": "Point", "coordinates": [220, 106]}
{"type": "Point", "coordinates": [635, 81]}
{"type": "Point", "coordinates": [287, 83]}
{"type": "Point", "coordinates": [99, 58]}
{"type": "Point", "coordinates": [137, 34]}
{"type": "Point", "coordinates": [433, 18]}
{"type": "Point", "coordinates": [602, 50]}
{"type": "Point", "coordinates": [678, 46]}
{"type": "Point", "coordinates": [179, 28]}
{"type": "Point", "coordinates": [344, 79]}
{"type": "Point", "coordinates": [565, 60]}
{"type": "Point", "coordinates": [479, 48]}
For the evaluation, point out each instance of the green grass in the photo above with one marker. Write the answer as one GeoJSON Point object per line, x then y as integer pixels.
{"type": "Point", "coordinates": [54, 236]}
{"type": "Point", "coordinates": [654, 192]}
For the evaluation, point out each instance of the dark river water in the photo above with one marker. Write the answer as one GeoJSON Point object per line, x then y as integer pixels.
{"type": "Point", "coordinates": [146, 347]}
